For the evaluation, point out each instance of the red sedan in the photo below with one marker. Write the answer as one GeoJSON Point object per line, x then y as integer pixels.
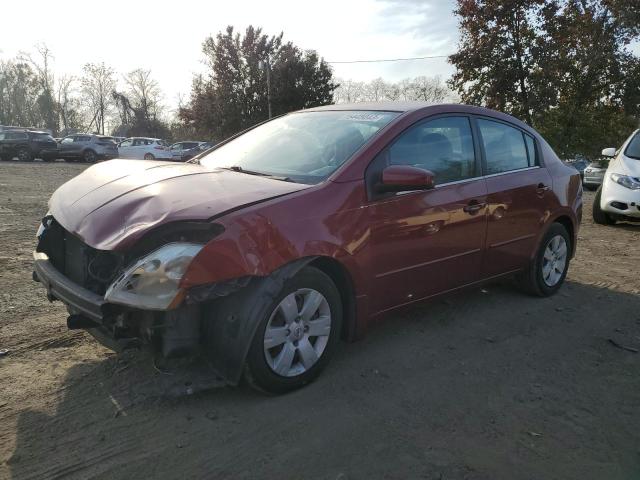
{"type": "Point", "coordinates": [265, 251]}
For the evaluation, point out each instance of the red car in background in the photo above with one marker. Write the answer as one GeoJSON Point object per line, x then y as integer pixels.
{"type": "Point", "coordinates": [262, 253]}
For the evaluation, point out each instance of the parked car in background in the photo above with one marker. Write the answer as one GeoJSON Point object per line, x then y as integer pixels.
{"type": "Point", "coordinates": [144, 148]}
{"type": "Point", "coordinates": [579, 165]}
{"type": "Point", "coordinates": [619, 196]}
{"type": "Point", "coordinates": [301, 231]}
{"type": "Point", "coordinates": [87, 147]}
{"type": "Point", "coordinates": [594, 174]}
{"type": "Point", "coordinates": [180, 150]}
{"type": "Point", "coordinates": [27, 145]}
{"type": "Point", "coordinates": [203, 147]}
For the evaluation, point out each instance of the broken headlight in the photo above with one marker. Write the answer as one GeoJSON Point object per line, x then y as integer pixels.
{"type": "Point", "coordinates": [153, 281]}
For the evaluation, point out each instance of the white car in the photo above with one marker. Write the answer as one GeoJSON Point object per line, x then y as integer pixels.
{"type": "Point", "coordinates": [619, 196]}
{"type": "Point", "coordinates": [144, 148]}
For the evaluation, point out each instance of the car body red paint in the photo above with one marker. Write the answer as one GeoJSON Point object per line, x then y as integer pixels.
{"type": "Point", "coordinates": [395, 249]}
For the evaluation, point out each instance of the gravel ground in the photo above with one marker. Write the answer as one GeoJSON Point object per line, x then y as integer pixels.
{"type": "Point", "coordinates": [485, 384]}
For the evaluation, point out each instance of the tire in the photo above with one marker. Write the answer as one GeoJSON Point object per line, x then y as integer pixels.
{"type": "Point", "coordinates": [149, 156]}
{"type": "Point", "coordinates": [546, 273]}
{"type": "Point", "coordinates": [24, 155]}
{"type": "Point", "coordinates": [599, 216]}
{"type": "Point", "coordinates": [89, 156]}
{"type": "Point", "coordinates": [267, 368]}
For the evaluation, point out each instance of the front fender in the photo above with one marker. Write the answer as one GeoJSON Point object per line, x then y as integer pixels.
{"type": "Point", "coordinates": [230, 322]}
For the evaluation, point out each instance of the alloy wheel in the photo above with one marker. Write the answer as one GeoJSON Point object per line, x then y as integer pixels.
{"type": "Point", "coordinates": [554, 261]}
{"type": "Point", "coordinates": [297, 332]}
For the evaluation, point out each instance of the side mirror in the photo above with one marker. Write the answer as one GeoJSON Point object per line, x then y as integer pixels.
{"type": "Point", "coordinates": [403, 178]}
{"type": "Point", "coordinates": [609, 152]}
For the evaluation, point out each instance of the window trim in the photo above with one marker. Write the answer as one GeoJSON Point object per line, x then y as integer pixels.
{"type": "Point", "coordinates": [626, 148]}
{"type": "Point", "coordinates": [483, 153]}
{"type": "Point", "coordinates": [371, 167]}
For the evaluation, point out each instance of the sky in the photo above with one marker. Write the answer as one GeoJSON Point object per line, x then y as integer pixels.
{"type": "Point", "coordinates": [166, 36]}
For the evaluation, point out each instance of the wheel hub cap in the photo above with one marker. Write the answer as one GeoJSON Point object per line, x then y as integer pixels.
{"type": "Point", "coordinates": [554, 261]}
{"type": "Point", "coordinates": [297, 332]}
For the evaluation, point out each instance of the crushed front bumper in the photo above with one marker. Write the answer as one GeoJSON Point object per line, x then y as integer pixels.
{"type": "Point", "coordinates": [59, 287]}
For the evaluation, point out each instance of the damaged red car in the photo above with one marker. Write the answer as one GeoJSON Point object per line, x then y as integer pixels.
{"type": "Point", "coordinates": [264, 252]}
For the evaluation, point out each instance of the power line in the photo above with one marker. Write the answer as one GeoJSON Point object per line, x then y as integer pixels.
{"type": "Point", "coordinates": [393, 59]}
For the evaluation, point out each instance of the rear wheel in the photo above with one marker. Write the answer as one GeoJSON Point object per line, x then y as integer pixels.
{"type": "Point", "coordinates": [546, 272]}
{"type": "Point", "coordinates": [89, 156]}
{"type": "Point", "coordinates": [149, 156]}
{"type": "Point", "coordinates": [24, 155]}
{"type": "Point", "coordinates": [298, 335]}
{"type": "Point", "coordinates": [600, 216]}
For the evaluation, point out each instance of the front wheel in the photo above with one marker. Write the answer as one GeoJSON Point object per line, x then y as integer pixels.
{"type": "Point", "coordinates": [600, 216]}
{"type": "Point", "coordinates": [297, 336]}
{"type": "Point", "coordinates": [89, 156]}
{"type": "Point", "coordinates": [149, 156]}
{"type": "Point", "coordinates": [24, 155]}
{"type": "Point", "coordinates": [546, 273]}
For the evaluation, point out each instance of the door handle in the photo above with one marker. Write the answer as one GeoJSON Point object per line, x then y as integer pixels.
{"type": "Point", "coordinates": [473, 207]}
{"type": "Point", "coordinates": [542, 188]}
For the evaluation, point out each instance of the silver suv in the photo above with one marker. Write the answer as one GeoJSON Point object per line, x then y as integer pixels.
{"type": "Point", "coordinates": [87, 147]}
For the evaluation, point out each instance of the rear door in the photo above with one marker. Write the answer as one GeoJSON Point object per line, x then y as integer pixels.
{"type": "Point", "coordinates": [428, 242]}
{"type": "Point", "coordinates": [125, 148]}
{"type": "Point", "coordinates": [66, 146]}
{"type": "Point", "coordinates": [519, 195]}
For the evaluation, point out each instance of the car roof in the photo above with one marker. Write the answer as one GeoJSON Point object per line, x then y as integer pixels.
{"type": "Point", "coordinates": [386, 106]}
{"type": "Point", "coordinates": [424, 107]}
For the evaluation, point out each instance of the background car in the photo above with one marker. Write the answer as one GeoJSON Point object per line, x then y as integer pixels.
{"type": "Point", "coordinates": [27, 145]}
{"type": "Point", "coordinates": [87, 147]}
{"type": "Point", "coordinates": [189, 154]}
{"type": "Point", "coordinates": [182, 150]}
{"type": "Point", "coordinates": [619, 196]}
{"type": "Point", "coordinates": [144, 148]}
{"type": "Point", "coordinates": [579, 165]}
{"type": "Point", "coordinates": [594, 174]}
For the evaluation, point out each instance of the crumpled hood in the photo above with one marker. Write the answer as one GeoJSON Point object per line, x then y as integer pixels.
{"type": "Point", "coordinates": [114, 203]}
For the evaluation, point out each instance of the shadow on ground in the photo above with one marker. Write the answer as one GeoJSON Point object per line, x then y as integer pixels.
{"type": "Point", "coordinates": [483, 385]}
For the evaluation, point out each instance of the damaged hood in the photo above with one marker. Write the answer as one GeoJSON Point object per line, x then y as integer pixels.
{"type": "Point", "coordinates": [114, 203]}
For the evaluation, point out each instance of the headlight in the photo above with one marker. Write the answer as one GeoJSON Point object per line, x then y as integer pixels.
{"type": "Point", "coordinates": [626, 181]}
{"type": "Point", "coordinates": [152, 282]}
{"type": "Point", "coordinates": [44, 223]}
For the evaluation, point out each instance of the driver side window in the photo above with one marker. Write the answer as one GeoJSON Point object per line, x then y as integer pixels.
{"type": "Point", "coordinates": [444, 146]}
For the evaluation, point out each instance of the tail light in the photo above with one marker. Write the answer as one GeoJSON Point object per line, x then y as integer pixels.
{"type": "Point", "coordinates": [159, 148]}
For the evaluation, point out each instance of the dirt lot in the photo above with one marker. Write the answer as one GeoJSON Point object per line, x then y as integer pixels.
{"type": "Point", "coordinates": [489, 384]}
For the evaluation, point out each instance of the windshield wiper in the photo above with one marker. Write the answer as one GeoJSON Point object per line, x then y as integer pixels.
{"type": "Point", "coordinates": [238, 168]}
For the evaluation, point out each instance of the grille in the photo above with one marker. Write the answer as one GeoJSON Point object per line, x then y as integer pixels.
{"type": "Point", "coordinates": [86, 266]}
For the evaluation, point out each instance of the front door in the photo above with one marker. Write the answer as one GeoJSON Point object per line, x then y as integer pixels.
{"type": "Point", "coordinates": [427, 242]}
{"type": "Point", "coordinates": [519, 196]}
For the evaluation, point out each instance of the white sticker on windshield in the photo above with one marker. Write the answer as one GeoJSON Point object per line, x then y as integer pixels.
{"type": "Point", "coordinates": [365, 116]}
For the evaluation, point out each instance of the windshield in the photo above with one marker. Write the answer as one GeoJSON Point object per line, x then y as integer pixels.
{"type": "Point", "coordinates": [633, 149]}
{"type": "Point", "coordinates": [303, 147]}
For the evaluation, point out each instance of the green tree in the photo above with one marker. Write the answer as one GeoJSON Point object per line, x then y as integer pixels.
{"type": "Point", "coordinates": [561, 65]}
{"type": "Point", "coordinates": [233, 95]}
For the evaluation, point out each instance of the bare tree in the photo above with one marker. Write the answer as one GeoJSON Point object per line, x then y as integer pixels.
{"type": "Point", "coordinates": [349, 91]}
{"type": "Point", "coordinates": [98, 83]}
{"type": "Point", "coordinates": [45, 103]}
{"type": "Point", "coordinates": [428, 89]}
{"type": "Point", "coordinates": [144, 94]}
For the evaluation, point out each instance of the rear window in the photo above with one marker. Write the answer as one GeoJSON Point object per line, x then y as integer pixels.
{"type": "Point", "coordinates": [43, 136]}
{"type": "Point", "coordinates": [505, 147]}
{"type": "Point", "coordinates": [633, 149]}
{"type": "Point", "coordinates": [106, 139]}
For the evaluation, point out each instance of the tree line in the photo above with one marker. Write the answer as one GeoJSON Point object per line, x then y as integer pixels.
{"type": "Point", "coordinates": [563, 66]}
{"type": "Point", "coordinates": [31, 95]}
